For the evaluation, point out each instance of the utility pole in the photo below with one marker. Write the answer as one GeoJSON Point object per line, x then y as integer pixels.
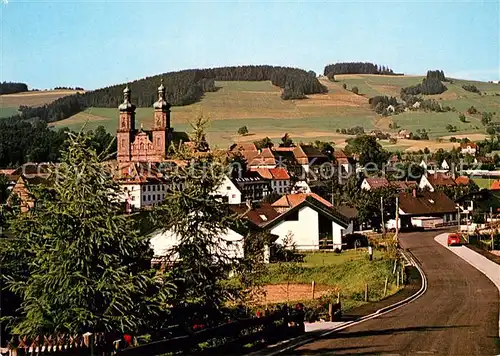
{"type": "Point", "coordinates": [397, 219]}
{"type": "Point", "coordinates": [491, 228]}
{"type": "Point", "coordinates": [382, 214]}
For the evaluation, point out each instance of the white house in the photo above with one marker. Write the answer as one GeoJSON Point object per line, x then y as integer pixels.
{"type": "Point", "coordinates": [375, 183]}
{"type": "Point", "coordinates": [279, 178]}
{"type": "Point", "coordinates": [438, 179]}
{"type": "Point", "coordinates": [311, 222]}
{"type": "Point", "coordinates": [301, 187]}
{"type": "Point", "coordinates": [229, 191]}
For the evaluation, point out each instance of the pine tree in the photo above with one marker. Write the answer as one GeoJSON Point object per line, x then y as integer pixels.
{"type": "Point", "coordinates": [202, 261]}
{"type": "Point", "coordinates": [87, 266]}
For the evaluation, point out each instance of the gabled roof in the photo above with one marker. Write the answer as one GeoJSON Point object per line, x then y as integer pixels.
{"type": "Point", "coordinates": [292, 200]}
{"type": "Point", "coordinates": [315, 204]}
{"type": "Point", "coordinates": [403, 185]}
{"type": "Point", "coordinates": [376, 183]}
{"type": "Point", "coordinates": [278, 173]}
{"type": "Point", "coordinates": [258, 215]}
{"type": "Point", "coordinates": [340, 156]}
{"type": "Point", "coordinates": [495, 185]}
{"type": "Point", "coordinates": [265, 157]}
{"type": "Point", "coordinates": [440, 179]}
{"type": "Point", "coordinates": [426, 203]}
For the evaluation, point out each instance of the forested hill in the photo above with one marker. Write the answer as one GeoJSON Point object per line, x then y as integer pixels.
{"type": "Point", "coordinates": [182, 88]}
{"type": "Point", "coordinates": [12, 88]}
{"type": "Point", "coordinates": [356, 68]}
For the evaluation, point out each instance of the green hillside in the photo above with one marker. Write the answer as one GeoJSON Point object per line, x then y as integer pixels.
{"type": "Point", "coordinates": [258, 106]}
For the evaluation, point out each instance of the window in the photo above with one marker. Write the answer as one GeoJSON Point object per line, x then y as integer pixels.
{"type": "Point", "coordinates": [144, 198]}
{"type": "Point", "coordinates": [154, 188]}
{"type": "Point", "coordinates": [228, 188]}
{"type": "Point", "coordinates": [149, 188]}
{"type": "Point", "coordinates": [163, 188]}
{"type": "Point", "coordinates": [144, 188]}
{"type": "Point", "coordinates": [149, 197]}
{"type": "Point", "coordinates": [132, 197]}
{"type": "Point", "coordinates": [158, 197]}
{"type": "Point", "coordinates": [154, 196]}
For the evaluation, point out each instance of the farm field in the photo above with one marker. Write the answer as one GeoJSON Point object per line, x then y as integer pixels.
{"type": "Point", "coordinates": [258, 106]}
{"type": "Point", "coordinates": [10, 103]}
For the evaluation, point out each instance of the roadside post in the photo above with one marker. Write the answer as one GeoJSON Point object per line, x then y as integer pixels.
{"type": "Point", "coordinates": [370, 252]}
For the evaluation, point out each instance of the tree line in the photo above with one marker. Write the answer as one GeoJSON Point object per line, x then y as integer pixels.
{"type": "Point", "coordinates": [181, 88]}
{"type": "Point", "coordinates": [11, 87]}
{"type": "Point", "coordinates": [356, 68]}
{"type": "Point", "coordinates": [24, 141]}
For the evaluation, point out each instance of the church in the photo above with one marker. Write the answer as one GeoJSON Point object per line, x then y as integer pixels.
{"type": "Point", "coordinates": [140, 145]}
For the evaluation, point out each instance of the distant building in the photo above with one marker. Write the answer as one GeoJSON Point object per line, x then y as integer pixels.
{"type": "Point", "coordinates": [139, 145]}
{"type": "Point", "coordinates": [229, 191]}
{"type": "Point", "coordinates": [279, 178]}
{"type": "Point", "coordinates": [438, 179]}
{"type": "Point", "coordinates": [468, 148]}
{"type": "Point", "coordinates": [417, 205]}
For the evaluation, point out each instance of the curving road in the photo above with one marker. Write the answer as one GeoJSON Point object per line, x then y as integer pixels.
{"type": "Point", "coordinates": [458, 315]}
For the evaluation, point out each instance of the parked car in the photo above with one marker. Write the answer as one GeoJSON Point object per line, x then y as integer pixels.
{"type": "Point", "coordinates": [454, 240]}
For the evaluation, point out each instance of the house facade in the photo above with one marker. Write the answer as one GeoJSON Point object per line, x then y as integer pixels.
{"type": "Point", "coordinates": [468, 148]}
{"type": "Point", "coordinates": [416, 206]}
{"type": "Point", "coordinates": [278, 178]}
{"type": "Point", "coordinates": [435, 180]}
{"type": "Point", "coordinates": [229, 191]}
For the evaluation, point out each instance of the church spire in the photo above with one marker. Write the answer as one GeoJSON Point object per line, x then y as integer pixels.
{"type": "Point", "coordinates": [127, 105]}
{"type": "Point", "coordinates": [161, 104]}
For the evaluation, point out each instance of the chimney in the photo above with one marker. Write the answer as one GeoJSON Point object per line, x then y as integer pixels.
{"type": "Point", "coordinates": [414, 192]}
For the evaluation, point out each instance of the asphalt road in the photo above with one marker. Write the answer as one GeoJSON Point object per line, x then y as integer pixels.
{"type": "Point", "coordinates": [458, 315]}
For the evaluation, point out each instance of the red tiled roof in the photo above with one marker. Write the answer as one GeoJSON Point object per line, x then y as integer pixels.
{"type": "Point", "coordinates": [440, 179]}
{"type": "Point", "coordinates": [265, 157]}
{"type": "Point", "coordinates": [263, 172]}
{"type": "Point", "coordinates": [495, 185]}
{"type": "Point", "coordinates": [376, 183]}
{"type": "Point", "coordinates": [471, 144]}
{"type": "Point", "coordinates": [292, 200]}
{"type": "Point", "coordinates": [462, 180]}
{"type": "Point", "coordinates": [259, 215]}
{"type": "Point", "coordinates": [279, 173]}
{"type": "Point", "coordinates": [426, 203]}
{"type": "Point", "coordinates": [402, 185]}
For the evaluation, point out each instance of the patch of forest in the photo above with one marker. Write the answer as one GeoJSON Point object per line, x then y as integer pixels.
{"type": "Point", "coordinates": [356, 68]}
{"type": "Point", "coordinates": [182, 88]}
{"type": "Point", "coordinates": [12, 88]}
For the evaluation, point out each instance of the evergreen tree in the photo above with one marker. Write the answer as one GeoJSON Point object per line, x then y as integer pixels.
{"type": "Point", "coordinates": [87, 268]}
{"type": "Point", "coordinates": [201, 260]}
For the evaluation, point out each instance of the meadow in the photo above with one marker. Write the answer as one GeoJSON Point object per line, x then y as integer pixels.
{"type": "Point", "coordinates": [258, 106]}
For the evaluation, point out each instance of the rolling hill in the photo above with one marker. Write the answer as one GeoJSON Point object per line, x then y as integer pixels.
{"type": "Point", "coordinates": [257, 105]}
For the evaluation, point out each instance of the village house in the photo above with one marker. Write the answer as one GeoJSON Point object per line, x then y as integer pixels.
{"type": "Point", "coordinates": [342, 160]}
{"type": "Point", "coordinates": [382, 182]}
{"type": "Point", "coordinates": [252, 186]}
{"type": "Point", "coordinates": [229, 191]}
{"type": "Point", "coordinates": [431, 166]}
{"type": "Point", "coordinates": [419, 208]}
{"type": "Point", "coordinates": [310, 221]}
{"type": "Point", "coordinates": [468, 148]}
{"type": "Point", "coordinates": [438, 179]}
{"type": "Point", "coordinates": [230, 242]}
{"type": "Point", "coordinates": [278, 177]}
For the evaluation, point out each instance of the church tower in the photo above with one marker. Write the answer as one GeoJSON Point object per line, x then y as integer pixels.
{"type": "Point", "coordinates": [126, 128]}
{"type": "Point", "coordinates": [161, 127]}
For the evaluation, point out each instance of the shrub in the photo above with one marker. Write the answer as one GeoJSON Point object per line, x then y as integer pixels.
{"type": "Point", "coordinates": [471, 88]}
{"type": "Point", "coordinates": [472, 110]}
{"type": "Point", "coordinates": [344, 86]}
{"type": "Point", "coordinates": [243, 130]}
{"type": "Point", "coordinates": [462, 118]}
{"type": "Point", "coordinates": [355, 90]}
{"type": "Point", "coordinates": [453, 139]}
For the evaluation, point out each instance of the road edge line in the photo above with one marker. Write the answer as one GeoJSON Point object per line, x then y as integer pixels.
{"type": "Point", "coordinates": [473, 265]}
{"type": "Point", "coordinates": [362, 319]}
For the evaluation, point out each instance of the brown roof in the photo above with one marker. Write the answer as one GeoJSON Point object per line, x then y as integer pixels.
{"type": "Point", "coordinates": [340, 156]}
{"type": "Point", "coordinates": [402, 185]}
{"type": "Point", "coordinates": [462, 180]}
{"type": "Point", "coordinates": [292, 200]}
{"type": "Point", "coordinates": [471, 144]}
{"type": "Point", "coordinates": [265, 157]}
{"type": "Point", "coordinates": [376, 183]}
{"type": "Point", "coordinates": [426, 203]}
{"type": "Point", "coordinates": [278, 173]}
{"type": "Point", "coordinates": [440, 179]}
{"type": "Point", "coordinates": [258, 215]}
{"type": "Point", "coordinates": [244, 146]}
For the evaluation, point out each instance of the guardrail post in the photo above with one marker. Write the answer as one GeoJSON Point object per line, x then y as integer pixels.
{"type": "Point", "coordinates": [385, 285]}
{"type": "Point", "coordinates": [366, 292]}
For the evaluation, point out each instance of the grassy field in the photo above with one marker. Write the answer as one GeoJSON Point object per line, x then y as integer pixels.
{"type": "Point", "coordinates": [483, 183]}
{"type": "Point", "coordinates": [346, 273]}
{"type": "Point", "coordinates": [10, 103]}
{"type": "Point", "coordinates": [258, 106]}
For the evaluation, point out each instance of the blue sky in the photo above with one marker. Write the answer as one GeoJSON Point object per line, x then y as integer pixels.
{"type": "Point", "coordinates": [98, 43]}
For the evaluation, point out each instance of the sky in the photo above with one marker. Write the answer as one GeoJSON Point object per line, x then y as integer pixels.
{"type": "Point", "coordinates": [98, 43]}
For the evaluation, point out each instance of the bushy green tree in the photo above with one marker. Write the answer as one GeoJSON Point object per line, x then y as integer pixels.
{"type": "Point", "coordinates": [266, 142]}
{"type": "Point", "coordinates": [286, 141]}
{"type": "Point", "coordinates": [243, 130]}
{"type": "Point", "coordinates": [86, 265]}
{"type": "Point", "coordinates": [368, 149]}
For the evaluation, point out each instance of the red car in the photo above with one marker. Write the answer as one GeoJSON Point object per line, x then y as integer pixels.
{"type": "Point", "coordinates": [454, 240]}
